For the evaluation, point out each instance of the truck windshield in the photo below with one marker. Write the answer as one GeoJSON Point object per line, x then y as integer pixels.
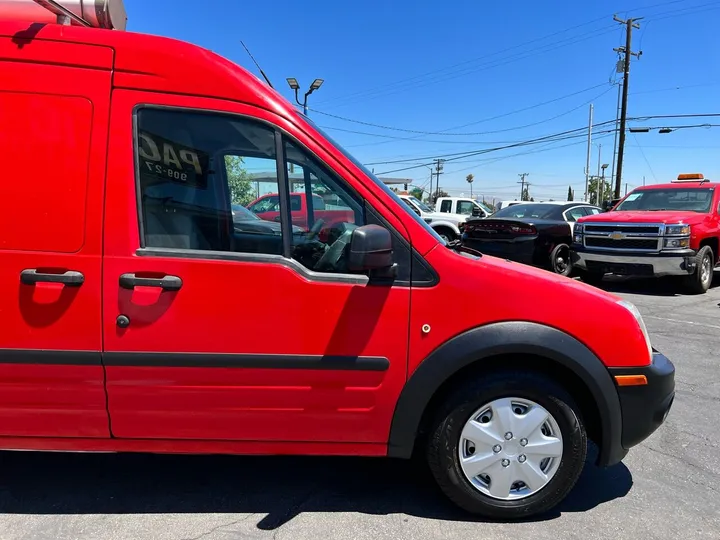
{"type": "Point", "coordinates": [679, 199]}
{"type": "Point", "coordinates": [421, 205]}
{"type": "Point", "coordinates": [379, 183]}
{"type": "Point", "coordinates": [484, 206]}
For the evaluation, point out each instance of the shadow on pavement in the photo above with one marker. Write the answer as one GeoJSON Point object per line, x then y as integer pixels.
{"type": "Point", "coordinates": [666, 286]}
{"type": "Point", "coordinates": [279, 488]}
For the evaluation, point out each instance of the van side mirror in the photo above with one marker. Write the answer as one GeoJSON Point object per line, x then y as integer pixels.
{"type": "Point", "coordinates": [370, 249]}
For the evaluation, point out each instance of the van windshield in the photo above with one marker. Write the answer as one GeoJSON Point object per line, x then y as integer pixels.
{"type": "Point", "coordinates": [379, 183]}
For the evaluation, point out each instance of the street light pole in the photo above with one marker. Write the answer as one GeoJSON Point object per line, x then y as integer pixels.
{"type": "Point", "coordinates": [294, 85]}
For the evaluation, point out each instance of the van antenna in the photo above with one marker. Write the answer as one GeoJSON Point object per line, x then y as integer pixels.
{"type": "Point", "coordinates": [256, 64]}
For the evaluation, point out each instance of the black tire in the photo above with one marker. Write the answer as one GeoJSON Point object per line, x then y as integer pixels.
{"type": "Point", "coordinates": [443, 444]}
{"type": "Point", "coordinates": [447, 234]}
{"type": "Point", "coordinates": [560, 261]}
{"type": "Point", "coordinates": [699, 282]}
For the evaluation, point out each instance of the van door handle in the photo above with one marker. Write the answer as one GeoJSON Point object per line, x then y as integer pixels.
{"type": "Point", "coordinates": [31, 276]}
{"type": "Point", "coordinates": [166, 283]}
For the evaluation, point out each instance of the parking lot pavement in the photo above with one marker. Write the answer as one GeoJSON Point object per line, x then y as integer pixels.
{"type": "Point", "coordinates": [668, 487]}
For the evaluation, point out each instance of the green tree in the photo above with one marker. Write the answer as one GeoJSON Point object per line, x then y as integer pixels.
{"type": "Point", "coordinates": [605, 191]}
{"type": "Point", "coordinates": [470, 178]}
{"type": "Point", "coordinates": [435, 196]}
{"type": "Point", "coordinates": [241, 188]}
{"type": "Point", "coordinates": [417, 193]}
{"type": "Point", "coordinates": [571, 195]}
{"type": "Point", "coordinates": [525, 194]}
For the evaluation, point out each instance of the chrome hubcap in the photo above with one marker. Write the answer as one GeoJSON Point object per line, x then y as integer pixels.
{"type": "Point", "coordinates": [562, 260]}
{"type": "Point", "coordinates": [705, 270]}
{"type": "Point", "coordinates": [510, 448]}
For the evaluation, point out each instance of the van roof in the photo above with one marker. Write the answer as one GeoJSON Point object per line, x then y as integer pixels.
{"type": "Point", "coordinates": [156, 63]}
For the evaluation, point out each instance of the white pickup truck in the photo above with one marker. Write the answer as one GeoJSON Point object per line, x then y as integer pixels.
{"type": "Point", "coordinates": [461, 206]}
{"type": "Point", "coordinates": [446, 225]}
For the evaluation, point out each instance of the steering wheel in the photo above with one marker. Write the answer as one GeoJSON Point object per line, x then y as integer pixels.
{"type": "Point", "coordinates": [315, 230]}
{"type": "Point", "coordinates": [331, 259]}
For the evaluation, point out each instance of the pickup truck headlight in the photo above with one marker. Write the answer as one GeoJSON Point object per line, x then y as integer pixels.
{"type": "Point", "coordinates": [676, 243]}
{"type": "Point", "coordinates": [578, 233]}
{"type": "Point", "coordinates": [632, 309]}
{"type": "Point", "coordinates": [677, 230]}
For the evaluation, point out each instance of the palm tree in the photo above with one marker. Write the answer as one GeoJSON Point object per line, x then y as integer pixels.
{"type": "Point", "coordinates": [470, 179]}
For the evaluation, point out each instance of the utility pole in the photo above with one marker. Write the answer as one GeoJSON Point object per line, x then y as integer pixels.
{"type": "Point", "coordinates": [615, 138]}
{"type": "Point", "coordinates": [625, 188]}
{"type": "Point", "coordinates": [589, 147]}
{"type": "Point", "coordinates": [522, 184]}
{"type": "Point", "coordinates": [627, 54]}
{"type": "Point", "coordinates": [438, 172]}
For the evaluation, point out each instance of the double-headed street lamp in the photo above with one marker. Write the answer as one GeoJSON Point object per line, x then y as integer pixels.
{"type": "Point", "coordinates": [292, 82]}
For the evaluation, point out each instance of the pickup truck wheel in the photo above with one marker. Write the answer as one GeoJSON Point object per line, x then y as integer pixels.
{"type": "Point", "coordinates": [699, 281]}
{"type": "Point", "coordinates": [507, 446]}
{"type": "Point", "coordinates": [560, 260]}
{"type": "Point", "coordinates": [446, 234]}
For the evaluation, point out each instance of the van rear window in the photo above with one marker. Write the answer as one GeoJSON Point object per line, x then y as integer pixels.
{"type": "Point", "coordinates": [43, 180]}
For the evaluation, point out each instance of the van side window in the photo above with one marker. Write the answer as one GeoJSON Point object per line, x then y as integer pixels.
{"type": "Point", "coordinates": [446, 206]}
{"type": "Point", "coordinates": [207, 182]}
{"type": "Point", "coordinates": [330, 213]}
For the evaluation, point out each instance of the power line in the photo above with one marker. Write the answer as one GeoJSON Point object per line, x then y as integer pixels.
{"type": "Point", "coordinates": [551, 138]}
{"type": "Point", "coordinates": [491, 132]}
{"type": "Point", "coordinates": [444, 132]}
{"type": "Point", "coordinates": [460, 64]}
{"type": "Point", "coordinates": [545, 137]}
{"type": "Point", "coordinates": [644, 157]}
{"type": "Point", "coordinates": [411, 82]}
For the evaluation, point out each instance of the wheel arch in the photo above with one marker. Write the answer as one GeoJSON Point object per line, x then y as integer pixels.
{"type": "Point", "coordinates": [448, 224]}
{"type": "Point", "coordinates": [489, 348]}
{"type": "Point", "coordinates": [714, 244]}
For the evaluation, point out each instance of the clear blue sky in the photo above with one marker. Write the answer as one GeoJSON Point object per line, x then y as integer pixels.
{"type": "Point", "coordinates": [432, 66]}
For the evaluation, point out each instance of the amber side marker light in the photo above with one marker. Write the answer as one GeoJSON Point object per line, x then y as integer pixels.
{"type": "Point", "coordinates": [630, 380]}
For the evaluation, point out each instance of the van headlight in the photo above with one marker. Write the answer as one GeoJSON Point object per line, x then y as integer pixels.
{"type": "Point", "coordinates": [636, 313]}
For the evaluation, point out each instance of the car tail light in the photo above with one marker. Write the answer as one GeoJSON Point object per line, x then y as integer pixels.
{"type": "Point", "coordinates": [499, 227]}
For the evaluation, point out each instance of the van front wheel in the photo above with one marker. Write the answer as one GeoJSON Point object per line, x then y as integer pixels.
{"type": "Point", "coordinates": [507, 446]}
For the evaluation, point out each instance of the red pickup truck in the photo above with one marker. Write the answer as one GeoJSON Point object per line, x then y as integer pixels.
{"type": "Point", "coordinates": [268, 207]}
{"type": "Point", "coordinates": [659, 230]}
{"type": "Point", "coordinates": [137, 316]}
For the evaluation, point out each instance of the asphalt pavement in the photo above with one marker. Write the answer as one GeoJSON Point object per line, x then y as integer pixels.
{"type": "Point", "coordinates": [666, 488]}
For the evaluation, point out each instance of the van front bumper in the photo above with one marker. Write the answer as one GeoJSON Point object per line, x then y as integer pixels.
{"type": "Point", "coordinates": [645, 407]}
{"type": "Point", "coordinates": [676, 263]}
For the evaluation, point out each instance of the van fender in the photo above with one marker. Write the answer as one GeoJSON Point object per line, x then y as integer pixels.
{"type": "Point", "coordinates": [512, 337]}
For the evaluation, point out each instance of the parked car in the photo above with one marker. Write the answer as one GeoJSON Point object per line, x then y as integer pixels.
{"type": "Point", "coordinates": [659, 230]}
{"type": "Point", "coordinates": [461, 206]}
{"type": "Point", "coordinates": [135, 320]}
{"type": "Point", "coordinates": [446, 225]}
{"type": "Point", "coordinates": [538, 234]}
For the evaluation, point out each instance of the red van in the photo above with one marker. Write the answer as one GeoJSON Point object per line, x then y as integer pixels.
{"type": "Point", "coordinates": [136, 318]}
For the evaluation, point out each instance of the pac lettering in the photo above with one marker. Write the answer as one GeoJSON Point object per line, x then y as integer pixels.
{"type": "Point", "coordinates": [191, 158]}
{"type": "Point", "coordinates": [170, 157]}
{"type": "Point", "coordinates": [148, 149]}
